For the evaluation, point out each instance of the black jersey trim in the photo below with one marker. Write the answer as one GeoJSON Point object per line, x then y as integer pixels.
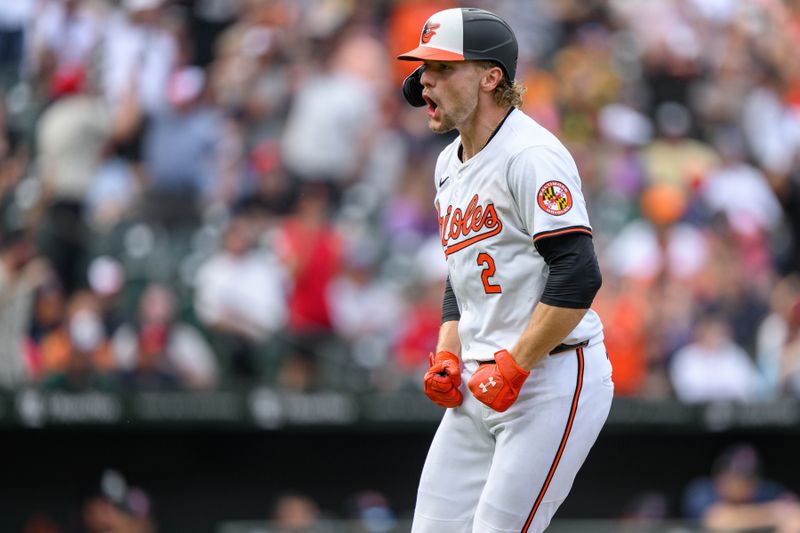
{"type": "Point", "coordinates": [562, 231]}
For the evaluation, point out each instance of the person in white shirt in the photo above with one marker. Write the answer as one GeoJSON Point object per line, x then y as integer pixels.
{"type": "Point", "coordinates": [240, 296]}
{"type": "Point", "coordinates": [713, 367]}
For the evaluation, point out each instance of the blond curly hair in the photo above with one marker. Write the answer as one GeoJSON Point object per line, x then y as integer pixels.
{"type": "Point", "coordinates": [508, 93]}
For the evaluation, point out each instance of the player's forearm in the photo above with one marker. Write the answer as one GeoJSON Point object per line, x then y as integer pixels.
{"type": "Point", "coordinates": [448, 338]}
{"type": "Point", "coordinates": [547, 328]}
{"type": "Point", "coordinates": [724, 517]}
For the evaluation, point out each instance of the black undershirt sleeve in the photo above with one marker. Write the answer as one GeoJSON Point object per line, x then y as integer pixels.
{"type": "Point", "coordinates": [449, 304]}
{"type": "Point", "coordinates": [574, 277]}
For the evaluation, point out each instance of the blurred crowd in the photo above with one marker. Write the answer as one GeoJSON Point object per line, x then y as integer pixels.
{"type": "Point", "coordinates": [214, 193]}
{"type": "Point", "coordinates": [109, 503]}
{"type": "Point", "coordinates": [734, 493]}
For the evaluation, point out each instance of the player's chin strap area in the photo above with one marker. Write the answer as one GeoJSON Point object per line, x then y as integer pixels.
{"type": "Point", "coordinates": [412, 88]}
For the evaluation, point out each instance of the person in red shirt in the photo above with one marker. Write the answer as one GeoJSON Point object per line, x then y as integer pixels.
{"type": "Point", "coordinates": [311, 249]}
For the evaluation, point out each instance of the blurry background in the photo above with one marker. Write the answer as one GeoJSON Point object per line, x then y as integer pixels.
{"type": "Point", "coordinates": [220, 270]}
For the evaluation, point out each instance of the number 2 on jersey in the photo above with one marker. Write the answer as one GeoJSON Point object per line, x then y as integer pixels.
{"type": "Point", "coordinates": [486, 260]}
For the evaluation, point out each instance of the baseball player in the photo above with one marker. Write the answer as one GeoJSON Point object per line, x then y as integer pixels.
{"type": "Point", "coordinates": [520, 363]}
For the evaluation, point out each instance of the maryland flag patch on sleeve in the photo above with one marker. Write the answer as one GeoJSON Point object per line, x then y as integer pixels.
{"type": "Point", "coordinates": [554, 198]}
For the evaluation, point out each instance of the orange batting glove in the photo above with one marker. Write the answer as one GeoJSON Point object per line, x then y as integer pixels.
{"type": "Point", "coordinates": [498, 384]}
{"type": "Point", "coordinates": [443, 379]}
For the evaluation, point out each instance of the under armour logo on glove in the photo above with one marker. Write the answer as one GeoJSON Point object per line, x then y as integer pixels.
{"type": "Point", "coordinates": [485, 388]}
{"type": "Point", "coordinates": [505, 377]}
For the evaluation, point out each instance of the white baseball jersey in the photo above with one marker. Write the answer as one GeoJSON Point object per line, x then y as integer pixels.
{"type": "Point", "coordinates": [521, 187]}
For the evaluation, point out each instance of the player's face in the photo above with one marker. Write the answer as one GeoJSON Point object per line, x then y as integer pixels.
{"type": "Point", "coordinates": [451, 92]}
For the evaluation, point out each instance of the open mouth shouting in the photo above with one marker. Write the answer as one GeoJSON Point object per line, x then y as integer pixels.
{"type": "Point", "coordinates": [432, 105]}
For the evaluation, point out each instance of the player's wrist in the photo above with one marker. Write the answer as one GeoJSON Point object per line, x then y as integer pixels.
{"type": "Point", "coordinates": [444, 355]}
{"type": "Point", "coordinates": [511, 360]}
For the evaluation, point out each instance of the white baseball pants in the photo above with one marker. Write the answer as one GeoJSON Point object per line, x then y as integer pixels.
{"type": "Point", "coordinates": [490, 472]}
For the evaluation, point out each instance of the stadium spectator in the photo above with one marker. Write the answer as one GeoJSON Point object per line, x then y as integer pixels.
{"type": "Point", "coordinates": [107, 282]}
{"type": "Point", "coordinates": [674, 158]}
{"type": "Point", "coordinates": [19, 277]}
{"type": "Point", "coordinates": [333, 118]}
{"type": "Point", "coordinates": [111, 505]}
{"type": "Point", "coordinates": [157, 351]}
{"type": "Point", "coordinates": [625, 131]}
{"type": "Point", "coordinates": [659, 246]}
{"type": "Point", "coordinates": [626, 306]}
{"type": "Point", "coordinates": [584, 80]}
{"type": "Point", "coordinates": [787, 188]}
{"type": "Point", "coordinates": [14, 19]}
{"type": "Point", "coordinates": [310, 247]}
{"type": "Point", "coordinates": [294, 512]}
{"type": "Point", "coordinates": [644, 512]}
{"type": "Point", "coordinates": [789, 352]}
{"type": "Point", "coordinates": [181, 154]}
{"type": "Point", "coordinates": [265, 189]}
{"type": "Point", "coordinates": [713, 367]}
{"type": "Point", "coordinates": [49, 309]}
{"type": "Point", "coordinates": [742, 193]}
{"type": "Point", "coordinates": [423, 317]}
{"type": "Point", "coordinates": [777, 331]}
{"type": "Point", "coordinates": [73, 133]}
{"type": "Point", "coordinates": [365, 311]}
{"type": "Point", "coordinates": [250, 74]}
{"type": "Point", "coordinates": [369, 512]}
{"type": "Point", "coordinates": [771, 129]}
{"type": "Point", "coordinates": [76, 356]}
{"type": "Point", "coordinates": [64, 34]}
{"type": "Point", "coordinates": [240, 297]}
{"type": "Point", "coordinates": [47, 315]}
{"type": "Point", "coordinates": [406, 216]}
{"type": "Point", "coordinates": [138, 54]}
{"type": "Point", "coordinates": [737, 497]}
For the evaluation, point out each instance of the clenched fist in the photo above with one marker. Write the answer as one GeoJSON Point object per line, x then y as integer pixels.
{"type": "Point", "coordinates": [498, 384]}
{"type": "Point", "coordinates": [443, 379]}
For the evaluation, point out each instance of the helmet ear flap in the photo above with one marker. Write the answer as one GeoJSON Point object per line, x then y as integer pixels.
{"type": "Point", "coordinates": [412, 88]}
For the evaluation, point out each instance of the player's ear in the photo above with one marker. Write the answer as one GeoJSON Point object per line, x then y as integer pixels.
{"type": "Point", "coordinates": [491, 78]}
